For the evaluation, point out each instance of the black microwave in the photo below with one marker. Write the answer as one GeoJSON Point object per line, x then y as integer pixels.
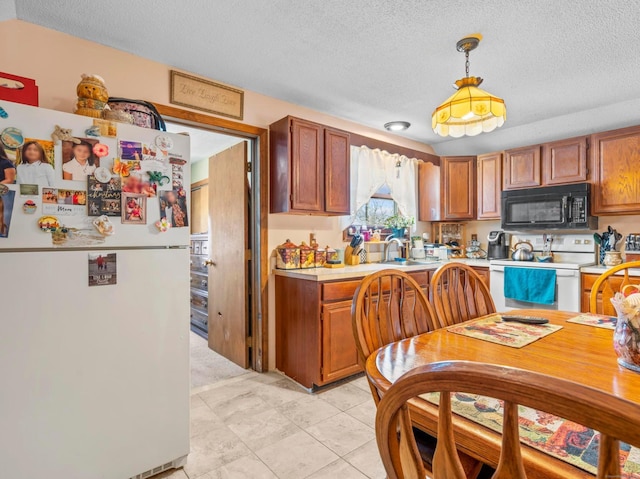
{"type": "Point", "coordinates": [565, 207]}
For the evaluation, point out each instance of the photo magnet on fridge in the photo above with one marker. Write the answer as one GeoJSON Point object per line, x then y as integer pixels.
{"type": "Point", "coordinates": [35, 163]}
{"type": "Point", "coordinates": [6, 210]}
{"type": "Point", "coordinates": [102, 269]}
{"type": "Point", "coordinates": [134, 209]}
{"type": "Point", "coordinates": [173, 209]}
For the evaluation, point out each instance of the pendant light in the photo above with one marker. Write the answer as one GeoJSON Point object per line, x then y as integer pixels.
{"type": "Point", "coordinates": [469, 111]}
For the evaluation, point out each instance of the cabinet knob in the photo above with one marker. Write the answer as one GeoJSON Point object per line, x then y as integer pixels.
{"type": "Point", "coordinates": [209, 262]}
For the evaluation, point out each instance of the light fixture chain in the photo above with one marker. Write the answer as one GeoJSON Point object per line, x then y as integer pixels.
{"type": "Point", "coordinates": [466, 63]}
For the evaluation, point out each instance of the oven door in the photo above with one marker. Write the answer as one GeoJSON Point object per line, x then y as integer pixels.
{"type": "Point", "coordinates": [567, 291]}
{"type": "Point", "coordinates": [523, 211]}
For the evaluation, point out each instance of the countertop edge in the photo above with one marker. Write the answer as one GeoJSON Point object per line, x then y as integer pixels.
{"type": "Point", "coordinates": [360, 271]}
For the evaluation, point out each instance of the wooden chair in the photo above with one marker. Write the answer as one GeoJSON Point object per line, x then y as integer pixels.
{"type": "Point", "coordinates": [401, 311]}
{"type": "Point", "coordinates": [459, 294]}
{"type": "Point", "coordinates": [615, 418]}
{"type": "Point", "coordinates": [607, 285]}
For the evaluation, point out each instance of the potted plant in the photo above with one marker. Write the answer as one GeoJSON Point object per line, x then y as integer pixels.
{"type": "Point", "coordinates": [398, 224]}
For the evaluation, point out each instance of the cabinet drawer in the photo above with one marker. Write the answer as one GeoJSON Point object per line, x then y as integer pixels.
{"type": "Point", "coordinates": [199, 301]}
{"type": "Point", "coordinates": [345, 290]}
{"type": "Point", "coordinates": [199, 280]}
{"type": "Point", "coordinates": [341, 290]}
{"type": "Point", "coordinates": [199, 318]}
{"type": "Point", "coordinates": [198, 263]}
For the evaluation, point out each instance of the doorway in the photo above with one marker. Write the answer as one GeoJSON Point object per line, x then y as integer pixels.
{"type": "Point", "coordinates": [224, 133]}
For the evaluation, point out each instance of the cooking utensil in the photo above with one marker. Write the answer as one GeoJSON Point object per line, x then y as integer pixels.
{"type": "Point", "coordinates": [523, 251]}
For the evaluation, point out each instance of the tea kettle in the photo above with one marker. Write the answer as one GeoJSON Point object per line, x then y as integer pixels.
{"type": "Point", "coordinates": [522, 251]}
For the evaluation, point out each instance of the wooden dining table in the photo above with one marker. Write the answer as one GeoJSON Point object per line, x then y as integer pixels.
{"type": "Point", "coordinates": [577, 352]}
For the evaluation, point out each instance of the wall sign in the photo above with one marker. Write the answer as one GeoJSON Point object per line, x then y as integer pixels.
{"type": "Point", "coordinates": [205, 95]}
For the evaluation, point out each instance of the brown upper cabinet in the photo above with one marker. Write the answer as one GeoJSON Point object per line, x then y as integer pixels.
{"type": "Point", "coordinates": [310, 168]}
{"type": "Point", "coordinates": [447, 192]}
{"type": "Point", "coordinates": [458, 187]}
{"type": "Point", "coordinates": [555, 163]}
{"type": "Point", "coordinates": [489, 181]}
{"type": "Point", "coordinates": [429, 207]}
{"type": "Point", "coordinates": [615, 157]}
{"type": "Point", "coordinates": [565, 161]}
{"type": "Point", "coordinates": [522, 168]}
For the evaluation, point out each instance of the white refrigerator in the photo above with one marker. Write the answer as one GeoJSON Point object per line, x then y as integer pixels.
{"type": "Point", "coordinates": [94, 353]}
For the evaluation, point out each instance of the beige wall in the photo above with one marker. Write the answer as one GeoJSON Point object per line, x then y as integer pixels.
{"type": "Point", "coordinates": [56, 60]}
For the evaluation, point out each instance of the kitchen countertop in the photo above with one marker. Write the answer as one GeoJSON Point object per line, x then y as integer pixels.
{"type": "Point", "coordinates": [362, 270]}
{"type": "Point", "coordinates": [601, 269]}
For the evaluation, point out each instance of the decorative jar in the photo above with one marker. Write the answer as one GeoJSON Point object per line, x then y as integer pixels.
{"type": "Point", "coordinates": [612, 258]}
{"type": "Point", "coordinates": [626, 337]}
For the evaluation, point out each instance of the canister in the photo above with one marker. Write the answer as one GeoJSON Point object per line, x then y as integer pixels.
{"type": "Point", "coordinates": [320, 256]}
{"type": "Point", "coordinates": [307, 256]}
{"type": "Point", "coordinates": [332, 255]}
{"type": "Point", "coordinates": [288, 256]}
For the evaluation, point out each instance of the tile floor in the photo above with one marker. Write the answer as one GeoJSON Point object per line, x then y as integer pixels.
{"type": "Point", "coordinates": [265, 426]}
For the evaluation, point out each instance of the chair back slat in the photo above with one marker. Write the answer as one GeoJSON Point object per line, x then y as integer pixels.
{"type": "Point", "coordinates": [459, 294]}
{"type": "Point", "coordinates": [615, 418]}
{"type": "Point", "coordinates": [446, 462]}
{"type": "Point", "coordinates": [608, 457]}
{"type": "Point", "coordinates": [510, 463]}
{"type": "Point", "coordinates": [607, 285]}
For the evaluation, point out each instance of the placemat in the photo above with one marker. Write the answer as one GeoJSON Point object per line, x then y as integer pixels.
{"type": "Point", "coordinates": [597, 320]}
{"type": "Point", "coordinates": [562, 439]}
{"type": "Point", "coordinates": [512, 334]}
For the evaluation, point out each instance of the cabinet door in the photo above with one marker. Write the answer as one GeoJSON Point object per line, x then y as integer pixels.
{"type": "Point", "coordinates": [339, 353]}
{"type": "Point", "coordinates": [565, 161]}
{"type": "Point", "coordinates": [459, 187]}
{"type": "Point", "coordinates": [489, 186]}
{"type": "Point", "coordinates": [429, 192]}
{"type": "Point", "coordinates": [522, 168]}
{"type": "Point", "coordinates": [337, 169]}
{"type": "Point", "coordinates": [484, 274]}
{"type": "Point", "coordinates": [199, 208]}
{"type": "Point", "coordinates": [307, 166]}
{"type": "Point", "coordinates": [615, 156]}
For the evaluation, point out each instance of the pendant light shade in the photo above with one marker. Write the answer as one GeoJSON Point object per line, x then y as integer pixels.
{"type": "Point", "coordinates": [470, 110]}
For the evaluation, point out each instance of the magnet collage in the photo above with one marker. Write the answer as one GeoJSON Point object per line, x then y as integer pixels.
{"type": "Point", "coordinates": [97, 175]}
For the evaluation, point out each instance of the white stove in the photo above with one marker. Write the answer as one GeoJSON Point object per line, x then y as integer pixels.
{"type": "Point", "coordinates": [570, 253]}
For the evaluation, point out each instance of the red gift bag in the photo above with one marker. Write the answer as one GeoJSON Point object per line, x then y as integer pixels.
{"type": "Point", "coordinates": [18, 89]}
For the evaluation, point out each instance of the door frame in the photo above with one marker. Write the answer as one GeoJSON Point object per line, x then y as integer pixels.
{"type": "Point", "coordinates": [259, 340]}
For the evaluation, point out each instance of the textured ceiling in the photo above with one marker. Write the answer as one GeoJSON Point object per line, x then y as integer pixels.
{"type": "Point", "coordinates": [373, 61]}
{"type": "Point", "coordinates": [204, 143]}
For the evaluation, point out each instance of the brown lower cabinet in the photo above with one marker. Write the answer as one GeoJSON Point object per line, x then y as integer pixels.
{"type": "Point", "coordinates": [587, 280]}
{"type": "Point", "coordinates": [314, 337]}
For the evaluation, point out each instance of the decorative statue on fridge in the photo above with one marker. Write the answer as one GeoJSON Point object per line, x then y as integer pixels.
{"type": "Point", "coordinates": [92, 96]}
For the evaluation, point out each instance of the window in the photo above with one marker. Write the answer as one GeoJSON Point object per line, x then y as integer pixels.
{"type": "Point", "coordinates": [380, 207]}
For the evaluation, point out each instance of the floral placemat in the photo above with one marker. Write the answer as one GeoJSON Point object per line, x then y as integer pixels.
{"type": "Point", "coordinates": [512, 334]}
{"type": "Point", "coordinates": [597, 320]}
{"type": "Point", "coordinates": [557, 437]}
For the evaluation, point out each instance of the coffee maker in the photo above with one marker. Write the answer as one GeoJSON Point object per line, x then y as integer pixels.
{"type": "Point", "coordinates": [498, 245]}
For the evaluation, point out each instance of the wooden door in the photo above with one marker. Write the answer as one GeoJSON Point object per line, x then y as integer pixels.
{"type": "Point", "coordinates": [429, 200]}
{"type": "Point", "coordinates": [228, 249]}
{"type": "Point", "coordinates": [489, 182]}
{"type": "Point", "coordinates": [522, 168]}
{"type": "Point", "coordinates": [337, 172]}
{"type": "Point", "coordinates": [339, 353]}
{"type": "Point", "coordinates": [565, 161]}
{"type": "Point", "coordinates": [200, 207]}
{"type": "Point", "coordinates": [307, 166]}
{"type": "Point", "coordinates": [459, 187]}
{"type": "Point", "coordinates": [616, 159]}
